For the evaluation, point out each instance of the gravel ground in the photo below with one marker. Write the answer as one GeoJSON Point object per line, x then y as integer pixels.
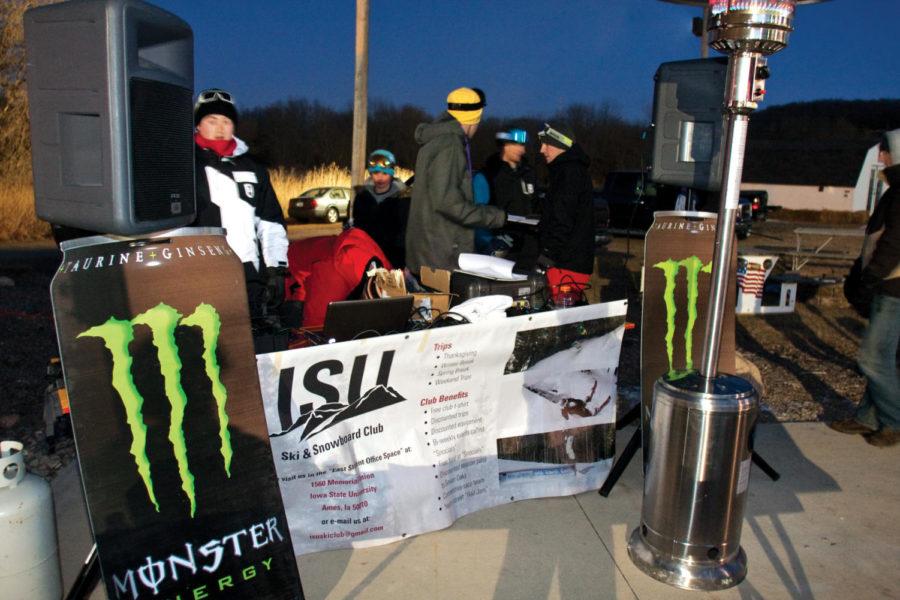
{"type": "Point", "coordinates": [806, 359]}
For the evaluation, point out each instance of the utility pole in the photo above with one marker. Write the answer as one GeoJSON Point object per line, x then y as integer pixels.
{"type": "Point", "coordinates": [360, 93]}
{"type": "Point", "coordinates": [704, 47]}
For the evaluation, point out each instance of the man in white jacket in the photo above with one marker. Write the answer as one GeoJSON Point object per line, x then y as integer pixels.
{"type": "Point", "coordinates": [234, 192]}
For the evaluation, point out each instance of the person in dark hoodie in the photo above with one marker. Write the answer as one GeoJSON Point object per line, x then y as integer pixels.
{"type": "Point", "coordinates": [510, 181]}
{"type": "Point", "coordinates": [234, 192]}
{"type": "Point", "coordinates": [567, 216]}
{"type": "Point", "coordinates": [443, 215]}
{"type": "Point", "coordinates": [380, 208]}
{"type": "Point", "coordinates": [877, 295]}
{"type": "Point", "coordinates": [509, 175]}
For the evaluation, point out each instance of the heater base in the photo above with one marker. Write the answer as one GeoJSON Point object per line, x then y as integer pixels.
{"type": "Point", "coordinates": [688, 575]}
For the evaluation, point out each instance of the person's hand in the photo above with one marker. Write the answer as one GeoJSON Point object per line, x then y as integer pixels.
{"type": "Point", "coordinates": [275, 277]}
{"type": "Point", "coordinates": [545, 262]}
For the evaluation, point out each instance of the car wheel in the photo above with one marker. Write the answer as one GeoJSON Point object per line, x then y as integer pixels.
{"type": "Point", "coordinates": [332, 215]}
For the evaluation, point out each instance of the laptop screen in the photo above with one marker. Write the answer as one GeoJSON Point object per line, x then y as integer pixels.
{"type": "Point", "coordinates": [356, 319]}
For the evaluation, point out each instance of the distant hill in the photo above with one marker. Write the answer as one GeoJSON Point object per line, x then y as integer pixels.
{"type": "Point", "coordinates": [816, 143]}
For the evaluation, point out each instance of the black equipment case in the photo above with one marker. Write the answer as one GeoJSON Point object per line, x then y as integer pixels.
{"type": "Point", "coordinates": [465, 285]}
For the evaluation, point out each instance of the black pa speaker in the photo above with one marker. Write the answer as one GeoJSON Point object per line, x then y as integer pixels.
{"type": "Point", "coordinates": [110, 85]}
{"type": "Point", "coordinates": [688, 123]}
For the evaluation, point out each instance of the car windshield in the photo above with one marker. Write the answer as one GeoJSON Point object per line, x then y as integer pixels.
{"type": "Point", "coordinates": [625, 185]}
{"type": "Point", "coordinates": [315, 192]}
{"type": "Point", "coordinates": [630, 185]}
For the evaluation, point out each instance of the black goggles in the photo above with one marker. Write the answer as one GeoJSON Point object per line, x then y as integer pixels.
{"type": "Point", "coordinates": [482, 102]}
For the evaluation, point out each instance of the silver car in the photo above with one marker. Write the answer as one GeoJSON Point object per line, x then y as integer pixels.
{"type": "Point", "coordinates": [328, 203]}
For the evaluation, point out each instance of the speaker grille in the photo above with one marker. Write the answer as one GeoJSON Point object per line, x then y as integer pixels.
{"type": "Point", "coordinates": [162, 150]}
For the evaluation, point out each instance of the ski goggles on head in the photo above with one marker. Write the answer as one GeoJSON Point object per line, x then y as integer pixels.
{"type": "Point", "coordinates": [381, 161]}
{"type": "Point", "coordinates": [213, 95]}
{"type": "Point", "coordinates": [481, 103]}
{"type": "Point", "coordinates": [557, 136]}
{"type": "Point", "coordinates": [516, 136]}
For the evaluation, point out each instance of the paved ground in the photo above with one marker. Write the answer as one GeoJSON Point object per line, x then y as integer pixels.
{"type": "Point", "coordinates": [827, 529]}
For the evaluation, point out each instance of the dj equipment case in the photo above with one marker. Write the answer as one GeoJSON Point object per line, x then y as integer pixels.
{"type": "Point", "coordinates": [464, 286]}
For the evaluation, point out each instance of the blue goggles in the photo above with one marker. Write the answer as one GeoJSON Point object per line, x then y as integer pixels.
{"type": "Point", "coordinates": [516, 136]}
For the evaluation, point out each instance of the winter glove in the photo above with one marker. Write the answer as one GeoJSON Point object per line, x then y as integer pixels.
{"type": "Point", "coordinates": [545, 262]}
{"type": "Point", "coordinates": [857, 291]}
{"type": "Point", "coordinates": [275, 277]}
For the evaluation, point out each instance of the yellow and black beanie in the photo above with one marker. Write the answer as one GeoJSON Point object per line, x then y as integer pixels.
{"type": "Point", "coordinates": [466, 105]}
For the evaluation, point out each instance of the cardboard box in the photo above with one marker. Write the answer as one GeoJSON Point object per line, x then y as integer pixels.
{"type": "Point", "coordinates": [432, 303]}
{"type": "Point", "coordinates": [436, 279]}
{"type": "Point", "coordinates": [436, 303]}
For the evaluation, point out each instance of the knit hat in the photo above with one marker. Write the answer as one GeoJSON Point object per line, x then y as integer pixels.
{"type": "Point", "coordinates": [466, 105]}
{"type": "Point", "coordinates": [558, 137]}
{"type": "Point", "coordinates": [215, 102]}
{"type": "Point", "coordinates": [513, 136]}
{"type": "Point", "coordinates": [381, 161]}
{"type": "Point", "coordinates": [890, 141]}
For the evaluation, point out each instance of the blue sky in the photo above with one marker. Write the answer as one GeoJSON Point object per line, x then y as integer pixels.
{"type": "Point", "coordinates": [530, 57]}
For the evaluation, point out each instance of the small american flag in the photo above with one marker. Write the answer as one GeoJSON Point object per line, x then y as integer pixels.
{"type": "Point", "coordinates": [751, 278]}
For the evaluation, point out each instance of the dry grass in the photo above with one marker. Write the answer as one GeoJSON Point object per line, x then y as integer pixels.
{"type": "Point", "coordinates": [290, 184]}
{"type": "Point", "coordinates": [17, 219]}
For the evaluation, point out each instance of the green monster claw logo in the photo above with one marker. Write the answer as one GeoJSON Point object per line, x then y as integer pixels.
{"type": "Point", "coordinates": [162, 320]}
{"type": "Point", "coordinates": [693, 267]}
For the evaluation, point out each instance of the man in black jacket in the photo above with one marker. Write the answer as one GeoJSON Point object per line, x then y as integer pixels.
{"type": "Point", "coordinates": [567, 216]}
{"type": "Point", "coordinates": [381, 208]}
{"type": "Point", "coordinates": [510, 182]}
{"type": "Point", "coordinates": [878, 414]}
{"type": "Point", "coordinates": [509, 176]}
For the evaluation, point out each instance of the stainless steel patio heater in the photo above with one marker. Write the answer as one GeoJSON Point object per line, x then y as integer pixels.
{"type": "Point", "coordinates": [698, 466]}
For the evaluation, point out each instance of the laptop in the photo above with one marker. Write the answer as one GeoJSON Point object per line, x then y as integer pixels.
{"type": "Point", "coordinates": [356, 319]}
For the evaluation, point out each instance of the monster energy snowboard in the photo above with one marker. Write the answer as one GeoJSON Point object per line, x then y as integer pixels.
{"type": "Point", "coordinates": [172, 441]}
{"type": "Point", "coordinates": [678, 255]}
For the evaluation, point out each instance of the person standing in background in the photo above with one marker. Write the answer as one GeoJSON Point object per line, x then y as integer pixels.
{"type": "Point", "coordinates": [877, 296]}
{"type": "Point", "coordinates": [443, 215]}
{"type": "Point", "coordinates": [567, 216]}
{"type": "Point", "coordinates": [380, 208]}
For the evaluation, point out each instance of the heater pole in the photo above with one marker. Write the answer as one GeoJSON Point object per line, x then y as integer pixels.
{"type": "Point", "coordinates": [738, 104]}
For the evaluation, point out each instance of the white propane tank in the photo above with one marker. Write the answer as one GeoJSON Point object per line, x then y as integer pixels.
{"type": "Point", "coordinates": [29, 559]}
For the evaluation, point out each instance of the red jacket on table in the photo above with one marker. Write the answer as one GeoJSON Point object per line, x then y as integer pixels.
{"type": "Point", "coordinates": [329, 268]}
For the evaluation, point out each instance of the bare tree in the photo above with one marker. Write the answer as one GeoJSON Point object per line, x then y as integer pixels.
{"type": "Point", "coordinates": [15, 147]}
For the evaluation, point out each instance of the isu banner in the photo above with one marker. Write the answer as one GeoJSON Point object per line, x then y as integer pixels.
{"type": "Point", "coordinates": [172, 442]}
{"type": "Point", "coordinates": [382, 438]}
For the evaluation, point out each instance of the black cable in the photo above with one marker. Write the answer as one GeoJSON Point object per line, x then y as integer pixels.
{"type": "Point", "coordinates": [375, 331]}
{"type": "Point", "coordinates": [314, 338]}
{"type": "Point", "coordinates": [631, 278]}
{"type": "Point", "coordinates": [444, 317]}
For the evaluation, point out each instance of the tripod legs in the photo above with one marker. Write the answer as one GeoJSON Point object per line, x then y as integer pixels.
{"type": "Point", "coordinates": [765, 467]}
{"type": "Point", "coordinates": [621, 463]}
{"type": "Point", "coordinates": [88, 577]}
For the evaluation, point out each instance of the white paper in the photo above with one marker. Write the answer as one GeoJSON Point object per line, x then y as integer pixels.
{"type": "Point", "coordinates": [489, 266]}
{"type": "Point", "coordinates": [522, 220]}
